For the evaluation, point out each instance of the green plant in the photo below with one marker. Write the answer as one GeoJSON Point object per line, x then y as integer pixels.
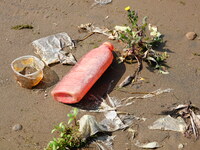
{"type": "Point", "coordinates": [69, 137]}
{"type": "Point", "coordinates": [140, 44]}
{"type": "Point", "coordinates": [72, 116]}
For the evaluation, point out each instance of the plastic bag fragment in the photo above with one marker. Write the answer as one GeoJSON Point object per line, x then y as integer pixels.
{"type": "Point", "coordinates": [89, 126]}
{"type": "Point", "coordinates": [169, 123]}
{"type": "Point", "coordinates": [103, 2]}
{"type": "Point", "coordinates": [105, 31]}
{"type": "Point", "coordinates": [50, 49]}
{"type": "Point", "coordinates": [105, 142]}
{"type": "Point", "coordinates": [112, 122]}
{"type": "Point", "coordinates": [151, 145]}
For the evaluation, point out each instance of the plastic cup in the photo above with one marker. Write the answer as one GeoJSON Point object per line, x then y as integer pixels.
{"type": "Point", "coordinates": [28, 70]}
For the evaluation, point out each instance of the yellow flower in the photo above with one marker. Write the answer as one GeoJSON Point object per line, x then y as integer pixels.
{"type": "Point", "coordinates": [127, 8]}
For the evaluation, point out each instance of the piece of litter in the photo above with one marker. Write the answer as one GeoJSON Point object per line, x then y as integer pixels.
{"type": "Point", "coordinates": [151, 94]}
{"type": "Point", "coordinates": [50, 49]}
{"type": "Point", "coordinates": [114, 101]}
{"type": "Point", "coordinates": [67, 58]}
{"type": "Point", "coordinates": [169, 123]}
{"type": "Point", "coordinates": [104, 142]}
{"type": "Point", "coordinates": [151, 145]}
{"type": "Point", "coordinates": [133, 132]}
{"type": "Point", "coordinates": [103, 2]}
{"type": "Point", "coordinates": [88, 126]}
{"type": "Point", "coordinates": [122, 28]}
{"type": "Point", "coordinates": [190, 113]}
{"type": "Point", "coordinates": [112, 122]}
{"type": "Point", "coordinates": [105, 31]}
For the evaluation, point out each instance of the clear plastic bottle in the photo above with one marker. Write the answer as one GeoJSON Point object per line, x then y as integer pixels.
{"type": "Point", "coordinates": [73, 87]}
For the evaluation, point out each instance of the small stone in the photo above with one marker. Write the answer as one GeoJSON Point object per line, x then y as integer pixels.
{"type": "Point", "coordinates": [191, 35]}
{"type": "Point", "coordinates": [45, 94]}
{"type": "Point", "coordinates": [17, 127]}
{"type": "Point", "coordinates": [180, 146]}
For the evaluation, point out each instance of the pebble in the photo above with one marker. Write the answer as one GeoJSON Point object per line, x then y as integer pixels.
{"type": "Point", "coordinates": [180, 146]}
{"type": "Point", "coordinates": [17, 127]}
{"type": "Point", "coordinates": [45, 94]}
{"type": "Point", "coordinates": [191, 35]}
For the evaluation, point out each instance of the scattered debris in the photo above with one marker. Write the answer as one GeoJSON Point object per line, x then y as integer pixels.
{"type": "Point", "coordinates": [88, 126]}
{"type": "Point", "coordinates": [180, 146]}
{"type": "Point", "coordinates": [17, 127]}
{"type": "Point", "coordinates": [189, 115]}
{"type": "Point", "coordinates": [133, 132]}
{"type": "Point", "coordinates": [151, 94]}
{"type": "Point", "coordinates": [114, 102]}
{"type": "Point", "coordinates": [104, 142]}
{"type": "Point", "coordinates": [22, 26]}
{"type": "Point", "coordinates": [113, 122]}
{"type": "Point", "coordinates": [169, 123]}
{"type": "Point", "coordinates": [91, 28]}
{"type": "Point", "coordinates": [191, 35]}
{"type": "Point", "coordinates": [151, 145]}
{"type": "Point", "coordinates": [66, 58]}
{"type": "Point", "coordinates": [50, 49]}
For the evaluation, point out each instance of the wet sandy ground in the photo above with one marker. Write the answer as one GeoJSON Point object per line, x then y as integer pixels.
{"type": "Point", "coordinates": [38, 113]}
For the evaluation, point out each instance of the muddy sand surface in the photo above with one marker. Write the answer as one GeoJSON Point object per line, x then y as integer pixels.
{"type": "Point", "coordinates": [36, 110]}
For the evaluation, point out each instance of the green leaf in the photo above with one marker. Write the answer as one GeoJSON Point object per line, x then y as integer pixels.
{"type": "Point", "coordinates": [54, 147]}
{"type": "Point", "coordinates": [75, 111]}
{"type": "Point", "coordinates": [51, 143]}
{"type": "Point", "coordinates": [52, 131]}
{"type": "Point", "coordinates": [163, 72]}
{"type": "Point", "coordinates": [60, 125]}
{"type": "Point", "coordinates": [62, 134]}
{"type": "Point", "coordinates": [70, 120]}
{"type": "Point", "coordinates": [144, 20]}
{"type": "Point", "coordinates": [70, 115]}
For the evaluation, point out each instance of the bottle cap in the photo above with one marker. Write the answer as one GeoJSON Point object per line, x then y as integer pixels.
{"type": "Point", "coordinates": [109, 45]}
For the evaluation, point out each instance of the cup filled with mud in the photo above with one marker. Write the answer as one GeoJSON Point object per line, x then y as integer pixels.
{"type": "Point", "coordinates": [28, 70]}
